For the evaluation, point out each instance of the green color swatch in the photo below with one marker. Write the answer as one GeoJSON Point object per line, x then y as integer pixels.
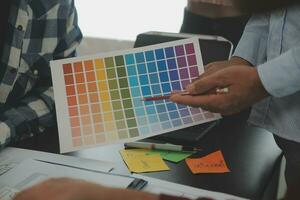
{"type": "Point", "coordinates": [134, 132]}
{"type": "Point", "coordinates": [121, 72]}
{"type": "Point", "coordinates": [109, 62]}
{"type": "Point", "coordinates": [119, 60]}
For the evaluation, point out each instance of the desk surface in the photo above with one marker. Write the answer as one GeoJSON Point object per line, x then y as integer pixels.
{"type": "Point", "coordinates": [250, 153]}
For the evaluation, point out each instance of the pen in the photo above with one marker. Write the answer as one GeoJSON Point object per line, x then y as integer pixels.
{"type": "Point", "coordinates": [166, 97]}
{"type": "Point", "coordinates": [168, 147]}
{"type": "Point", "coordinates": [156, 98]}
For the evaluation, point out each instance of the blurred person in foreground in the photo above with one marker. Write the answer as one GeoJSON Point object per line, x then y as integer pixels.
{"type": "Point", "coordinates": [70, 189]}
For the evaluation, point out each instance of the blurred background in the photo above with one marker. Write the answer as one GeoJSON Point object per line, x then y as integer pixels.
{"type": "Point", "coordinates": [123, 20]}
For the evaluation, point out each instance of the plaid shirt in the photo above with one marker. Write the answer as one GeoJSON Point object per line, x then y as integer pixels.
{"type": "Point", "coordinates": [39, 31]}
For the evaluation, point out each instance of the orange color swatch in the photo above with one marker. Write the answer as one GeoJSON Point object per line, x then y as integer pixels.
{"type": "Point", "coordinates": [69, 79]}
{"type": "Point", "coordinates": [78, 67]}
{"type": "Point", "coordinates": [90, 76]}
{"type": "Point", "coordinates": [70, 90]}
{"type": "Point", "coordinates": [67, 68]}
{"type": "Point", "coordinates": [212, 163]}
{"type": "Point", "coordinates": [89, 66]}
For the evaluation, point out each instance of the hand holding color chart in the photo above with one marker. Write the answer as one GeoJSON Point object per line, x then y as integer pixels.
{"type": "Point", "coordinates": [98, 98]}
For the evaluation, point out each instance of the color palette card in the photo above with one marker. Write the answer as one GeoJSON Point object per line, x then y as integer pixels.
{"type": "Point", "coordinates": [98, 97]}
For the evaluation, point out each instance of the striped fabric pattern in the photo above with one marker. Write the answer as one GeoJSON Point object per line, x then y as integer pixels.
{"type": "Point", "coordinates": [39, 31]}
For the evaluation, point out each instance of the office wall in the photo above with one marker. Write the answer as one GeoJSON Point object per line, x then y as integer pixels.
{"type": "Point", "coordinates": [124, 19]}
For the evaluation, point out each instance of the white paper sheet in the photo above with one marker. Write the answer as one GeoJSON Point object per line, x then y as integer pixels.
{"type": "Point", "coordinates": [11, 157]}
{"type": "Point", "coordinates": [31, 172]}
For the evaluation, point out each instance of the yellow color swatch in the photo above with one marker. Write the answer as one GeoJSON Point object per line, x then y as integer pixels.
{"type": "Point", "coordinates": [102, 85]}
{"type": "Point", "coordinates": [104, 96]}
{"type": "Point", "coordinates": [106, 106]}
{"type": "Point", "coordinates": [137, 161]}
{"type": "Point", "coordinates": [99, 63]}
{"type": "Point", "coordinates": [101, 75]}
{"type": "Point", "coordinates": [108, 116]}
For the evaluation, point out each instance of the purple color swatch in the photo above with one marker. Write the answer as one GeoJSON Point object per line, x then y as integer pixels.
{"type": "Point", "coordinates": [184, 112]}
{"type": "Point", "coordinates": [195, 110]}
{"type": "Point", "coordinates": [189, 48]}
{"type": "Point", "coordinates": [194, 72]}
{"type": "Point", "coordinates": [192, 60]}
{"type": "Point", "coordinates": [198, 117]}
{"type": "Point", "coordinates": [185, 83]}
{"type": "Point", "coordinates": [187, 120]}
{"type": "Point", "coordinates": [181, 62]}
{"type": "Point", "coordinates": [184, 73]}
{"type": "Point", "coordinates": [179, 50]}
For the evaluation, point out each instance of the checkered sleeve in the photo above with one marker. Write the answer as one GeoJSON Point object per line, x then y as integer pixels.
{"type": "Point", "coordinates": [36, 111]}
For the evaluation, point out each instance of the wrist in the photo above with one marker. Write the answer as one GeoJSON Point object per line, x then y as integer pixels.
{"type": "Point", "coordinates": [235, 60]}
{"type": "Point", "coordinates": [260, 91]}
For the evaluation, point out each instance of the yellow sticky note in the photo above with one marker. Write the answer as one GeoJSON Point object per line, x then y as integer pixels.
{"type": "Point", "coordinates": [137, 161]}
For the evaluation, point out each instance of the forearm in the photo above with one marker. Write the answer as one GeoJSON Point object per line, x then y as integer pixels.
{"type": "Point", "coordinates": [92, 192]}
{"type": "Point", "coordinates": [115, 194]}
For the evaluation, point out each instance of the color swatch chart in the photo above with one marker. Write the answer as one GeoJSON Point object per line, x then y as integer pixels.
{"type": "Point", "coordinates": [99, 98]}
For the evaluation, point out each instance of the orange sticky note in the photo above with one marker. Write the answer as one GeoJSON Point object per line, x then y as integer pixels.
{"type": "Point", "coordinates": [212, 163]}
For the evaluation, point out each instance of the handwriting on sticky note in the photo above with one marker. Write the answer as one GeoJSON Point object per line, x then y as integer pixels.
{"type": "Point", "coordinates": [212, 163]}
{"type": "Point", "coordinates": [138, 161]}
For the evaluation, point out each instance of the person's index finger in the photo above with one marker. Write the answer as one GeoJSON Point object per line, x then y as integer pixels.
{"type": "Point", "coordinates": [203, 85]}
{"type": "Point", "coordinates": [196, 101]}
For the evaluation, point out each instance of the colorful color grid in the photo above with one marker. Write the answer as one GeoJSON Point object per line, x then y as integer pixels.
{"type": "Point", "coordinates": [98, 98]}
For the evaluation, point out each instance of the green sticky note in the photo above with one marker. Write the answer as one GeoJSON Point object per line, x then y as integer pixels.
{"type": "Point", "coordinates": [173, 156]}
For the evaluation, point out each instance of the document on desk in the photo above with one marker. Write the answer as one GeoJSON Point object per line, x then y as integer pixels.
{"type": "Point", "coordinates": [31, 172]}
{"type": "Point", "coordinates": [11, 157]}
{"type": "Point", "coordinates": [157, 186]}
